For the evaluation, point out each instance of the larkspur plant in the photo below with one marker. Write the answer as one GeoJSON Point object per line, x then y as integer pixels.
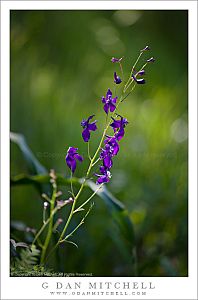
{"type": "Point", "coordinates": [108, 148]}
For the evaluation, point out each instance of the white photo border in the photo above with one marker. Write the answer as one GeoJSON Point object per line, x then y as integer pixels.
{"type": "Point", "coordinates": [165, 287]}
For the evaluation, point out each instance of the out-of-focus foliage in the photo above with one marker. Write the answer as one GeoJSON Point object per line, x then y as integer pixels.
{"type": "Point", "coordinates": [60, 68]}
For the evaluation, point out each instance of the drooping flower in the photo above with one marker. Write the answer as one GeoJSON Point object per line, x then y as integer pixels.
{"type": "Point", "coordinates": [116, 60]}
{"type": "Point", "coordinates": [109, 102]}
{"type": "Point", "coordinates": [138, 81]}
{"type": "Point", "coordinates": [117, 79]}
{"type": "Point", "coordinates": [71, 157]}
{"type": "Point", "coordinates": [118, 127]}
{"type": "Point", "coordinates": [87, 128]}
{"type": "Point", "coordinates": [104, 177]}
{"type": "Point", "coordinates": [140, 73]}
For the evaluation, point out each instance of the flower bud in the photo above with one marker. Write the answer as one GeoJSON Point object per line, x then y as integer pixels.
{"type": "Point", "coordinates": [115, 60]}
{"type": "Point", "coordinates": [45, 204]}
{"type": "Point", "coordinates": [59, 193]}
{"type": "Point", "coordinates": [145, 49]}
{"type": "Point", "coordinates": [152, 59]}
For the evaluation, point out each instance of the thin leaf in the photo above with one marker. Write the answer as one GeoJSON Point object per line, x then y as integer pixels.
{"type": "Point", "coordinates": [42, 179]}
{"type": "Point", "coordinates": [34, 165]}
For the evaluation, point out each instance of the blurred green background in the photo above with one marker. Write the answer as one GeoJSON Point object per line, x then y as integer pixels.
{"type": "Point", "coordinates": [60, 68]}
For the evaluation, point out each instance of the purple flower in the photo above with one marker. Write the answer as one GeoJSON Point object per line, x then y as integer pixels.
{"type": "Point", "coordinates": [111, 145]}
{"type": "Point", "coordinates": [117, 79]}
{"type": "Point", "coordinates": [140, 73]}
{"type": "Point", "coordinates": [152, 59]}
{"type": "Point", "coordinates": [104, 177]}
{"type": "Point", "coordinates": [71, 157]}
{"type": "Point", "coordinates": [118, 127]}
{"type": "Point", "coordinates": [115, 60]}
{"type": "Point", "coordinates": [109, 102]}
{"type": "Point", "coordinates": [106, 156]}
{"type": "Point", "coordinates": [138, 81]}
{"type": "Point", "coordinates": [87, 128]}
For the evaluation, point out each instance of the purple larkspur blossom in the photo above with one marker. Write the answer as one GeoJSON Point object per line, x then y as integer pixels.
{"type": "Point", "coordinates": [118, 127]}
{"type": "Point", "coordinates": [71, 157]}
{"type": "Point", "coordinates": [111, 145]}
{"type": "Point", "coordinates": [88, 127]}
{"type": "Point", "coordinates": [104, 177]}
{"type": "Point", "coordinates": [109, 102]}
{"type": "Point", "coordinates": [117, 79]}
{"type": "Point", "coordinates": [106, 156]}
{"type": "Point", "coordinates": [116, 60]}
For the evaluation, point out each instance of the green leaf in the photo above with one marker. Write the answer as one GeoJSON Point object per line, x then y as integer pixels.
{"type": "Point", "coordinates": [34, 165]}
{"type": "Point", "coordinates": [39, 180]}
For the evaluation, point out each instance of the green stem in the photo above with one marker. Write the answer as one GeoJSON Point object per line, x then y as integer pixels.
{"type": "Point", "coordinates": [126, 85]}
{"type": "Point", "coordinates": [97, 160]}
{"type": "Point", "coordinates": [88, 150]}
{"type": "Point", "coordinates": [132, 80]}
{"type": "Point", "coordinates": [72, 191]}
{"type": "Point", "coordinates": [40, 231]}
{"type": "Point", "coordinates": [81, 222]}
{"type": "Point", "coordinates": [81, 206]}
{"type": "Point", "coordinates": [50, 228]}
{"type": "Point", "coordinates": [121, 69]}
{"type": "Point", "coordinates": [82, 185]}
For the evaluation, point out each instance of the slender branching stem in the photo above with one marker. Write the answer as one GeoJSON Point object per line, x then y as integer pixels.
{"type": "Point", "coordinates": [88, 150]}
{"type": "Point", "coordinates": [50, 227]}
{"type": "Point", "coordinates": [71, 179]}
{"type": "Point", "coordinates": [82, 205]}
{"type": "Point", "coordinates": [93, 161]}
{"type": "Point", "coordinates": [81, 222]}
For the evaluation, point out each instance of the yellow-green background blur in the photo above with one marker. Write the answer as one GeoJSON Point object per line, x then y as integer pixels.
{"type": "Point", "coordinates": [60, 68]}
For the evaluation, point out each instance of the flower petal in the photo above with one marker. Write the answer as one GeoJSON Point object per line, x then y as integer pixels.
{"type": "Point", "coordinates": [92, 126]}
{"type": "Point", "coordinates": [112, 107]}
{"type": "Point", "coordinates": [120, 134]}
{"type": "Point", "coordinates": [116, 148]}
{"type": "Point", "coordinates": [109, 93]}
{"type": "Point", "coordinates": [90, 117]}
{"type": "Point", "coordinates": [102, 170]}
{"type": "Point", "coordinates": [113, 100]}
{"type": "Point", "coordinates": [116, 124]}
{"type": "Point", "coordinates": [106, 108]}
{"type": "Point", "coordinates": [107, 162]}
{"type": "Point", "coordinates": [78, 157]}
{"type": "Point", "coordinates": [86, 135]}
{"type": "Point", "coordinates": [103, 99]}
{"type": "Point", "coordinates": [102, 179]}
{"type": "Point", "coordinates": [72, 150]}
{"type": "Point", "coordinates": [83, 123]}
{"type": "Point", "coordinates": [71, 163]}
